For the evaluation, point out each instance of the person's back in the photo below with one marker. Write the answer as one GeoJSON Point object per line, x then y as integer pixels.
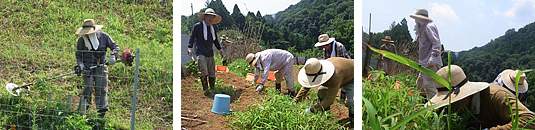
{"type": "Point", "coordinates": [494, 109]}
{"type": "Point", "coordinates": [343, 71]}
{"type": "Point", "coordinates": [277, 58]}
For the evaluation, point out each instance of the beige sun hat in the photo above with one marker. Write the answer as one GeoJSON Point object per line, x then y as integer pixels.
{"type": "Point", "coordinates": [421, 14]}
{"type": "Point", "coordinates": [315, 72]}
{"type": "Point", "coordinates": [462, 88]}
{"type": "Point", "coordinates": [251, 59]}
{"type": "Point", "coordinates": [210, 11]}
{"type": "Point", "coordinates": [387, 39]}
{"type": "Point", "coordinates": [224, 37]}
{"type": "Point", "coordinates": [88, 27]}
{"type": "Point", "coordinates": [509, 76]}
{"type": "Point", "coordinates": [323, 39]}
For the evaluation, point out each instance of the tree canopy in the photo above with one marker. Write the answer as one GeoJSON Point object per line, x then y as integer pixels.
{"type": "Point", "coordinates": [298, 26]}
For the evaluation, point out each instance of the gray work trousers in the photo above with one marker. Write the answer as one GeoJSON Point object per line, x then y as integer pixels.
{"type": "Point", "coordinates": [97, 80]}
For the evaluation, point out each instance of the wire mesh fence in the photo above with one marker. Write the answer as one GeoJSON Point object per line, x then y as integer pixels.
{"type": "Point", "coordinates": [72, 101]}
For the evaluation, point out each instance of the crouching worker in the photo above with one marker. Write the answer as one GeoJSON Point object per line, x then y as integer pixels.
{"type": "Point", "coordinates": [488, 103]}
{"type": "Point", "coordinates": [91, 58]}
{"type": "Point", "coordinates": [506, 79]}
{"type": "Point", "coordinates": [331, 75]}
{"type": "Point", "coordinates": [277, 60]}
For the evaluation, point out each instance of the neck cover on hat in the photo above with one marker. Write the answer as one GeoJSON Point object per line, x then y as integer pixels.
{"type": "Point", "coordinates": [205, 32]}
{"type": "Point", "coordinates": [476, 103]}
{"type": "Point", "coordinates": [333, 52]}
{"type": "Point", "coordinates": [91, 41]}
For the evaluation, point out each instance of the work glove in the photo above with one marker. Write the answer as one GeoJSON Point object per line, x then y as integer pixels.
{"type": "Point", "coordinates": [221, 53]}
{"type": "Point", "coordinates": [308, 111]}
{"type": "Point", "coordinates": [259, 88]}
{"type": "Point", "coordinates": [190, 51]}
{"type": "Point", "coordinates": [112, 60]}
{"type": "Point", "coordinates": [78, 69]}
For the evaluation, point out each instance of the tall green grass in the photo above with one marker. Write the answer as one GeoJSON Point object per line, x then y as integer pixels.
{"type": "Point", "coordinates": [403, 108]}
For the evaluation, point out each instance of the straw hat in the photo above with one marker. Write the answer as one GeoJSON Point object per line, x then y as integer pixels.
{"type": "Point", "coordinates": [462, 88]}
{"type": "Point", "coordinates": [224, 37]}
{"type": "Point", "coordinates": [421, 14]}
{"type": "Point", "coordinates": [88, 27]}
{"type": "Point", "coordinates": [323, 39]}
{"type": "Point", "coordinates": [251, 59]}
{"type": "Point", "coordinates": [210, 11]}
{"type": "Point", "coordinates": [315, 72]}
{"type": "Point", "coordinates": [509, 76]}
{"type": "Point", "coordinates": [387, 39]}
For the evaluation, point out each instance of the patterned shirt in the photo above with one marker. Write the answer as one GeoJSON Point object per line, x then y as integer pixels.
{"type": "Point", "coordinates": [340, 51]}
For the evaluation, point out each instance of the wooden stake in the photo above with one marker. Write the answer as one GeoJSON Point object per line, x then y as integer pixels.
{"type": "Point", "coordinates": [185, 118]}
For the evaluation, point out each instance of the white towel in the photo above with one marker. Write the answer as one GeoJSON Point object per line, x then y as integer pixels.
{"type": "Point", "coordinates": [333, 49]}
{"type": "Point", "coordinates": [94, 41]}
{"type": "Point", "coordinates": [206, 31]}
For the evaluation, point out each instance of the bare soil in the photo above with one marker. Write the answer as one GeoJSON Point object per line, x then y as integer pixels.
{"type": "Point", "coordinates": [195, 105]}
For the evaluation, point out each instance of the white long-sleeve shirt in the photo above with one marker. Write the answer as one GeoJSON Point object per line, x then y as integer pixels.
{"type": "Point", "coordinates": [429, 45]}
{"type": "Point", "coordinates": [271, 60]}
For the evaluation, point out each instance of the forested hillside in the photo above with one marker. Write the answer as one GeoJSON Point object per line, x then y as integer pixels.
{"type": "Point", "coordinates": [295, 29]}
{"type": "Point", "coordinates": [514, 50]}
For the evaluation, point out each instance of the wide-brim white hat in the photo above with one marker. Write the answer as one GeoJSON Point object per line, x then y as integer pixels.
{"type": "Point", "coordinates": [210, 11]}
{"type": "Point", "coordinates": [251, 59]}
{"type": "Point", "coordinates": [421, 14]}
{"type": "Point", "coordinates": [323, 39]}
{"type": "Point", "coordinates": [461, 87]}
{"type": "Point", "coordinates": [508, 77]}
{"type": "Point", "coordinates": [315, 72]}
{"type": "Point", "coordinates": [88, 27]}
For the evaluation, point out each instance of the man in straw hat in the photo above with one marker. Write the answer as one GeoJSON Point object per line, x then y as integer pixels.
{"type": "Point", "coordinates": [224, 44]}
{"type": "Point", "coordinates": [489, 103]}
{"type": "Point", "coordinates": [390, 47]}
{"type": "Point", "coordinates": [203, 36]}
{"type": "Point", "coordinates": [277, 60]}
{"type": "Point", "coordinates": [429, 51]}
{"type": "Point", "coordinates": [331, 48]}
{"type": "Point", "coordinates": [507, 78]}
{"type": "Point", "coordinates": [91, 51]}
{"type": "Point", "coordinates": [331, 75]}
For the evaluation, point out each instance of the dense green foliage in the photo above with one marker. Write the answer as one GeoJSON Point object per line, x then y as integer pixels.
{"type": "Point", "coordinates": [38, 41]}
{"type": "Point", "coordinates": [393, 104]}
{"type": "Point", "coordinates": [514, 50]}
{"type": "Point", "coordinates": [240, 67]}
{"type": "Point", "coordinates": [298, 26]}
{"type": "Point", "coordinates": [278, 111]}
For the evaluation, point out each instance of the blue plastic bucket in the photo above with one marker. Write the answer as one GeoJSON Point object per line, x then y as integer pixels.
{"type": "Point", "coordinates": [221, 104]}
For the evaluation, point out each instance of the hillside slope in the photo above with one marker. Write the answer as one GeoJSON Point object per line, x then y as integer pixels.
{"type": "Point", "coordinates": [513, 50]}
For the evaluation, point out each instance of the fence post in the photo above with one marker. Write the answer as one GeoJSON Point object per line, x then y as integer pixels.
{"type": "Point", "coordinates": [69, 97]}
{"type": "Point", "coordinates": [135, 91]}
{"type": "Point", "coordinates": [49, 97]}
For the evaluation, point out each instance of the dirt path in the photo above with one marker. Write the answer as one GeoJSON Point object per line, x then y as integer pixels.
{"type": "Point", "coordinates": [195, 103]}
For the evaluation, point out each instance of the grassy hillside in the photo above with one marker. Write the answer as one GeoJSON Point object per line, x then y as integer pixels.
{"type": "Point", "coordinates": [38, 41]}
